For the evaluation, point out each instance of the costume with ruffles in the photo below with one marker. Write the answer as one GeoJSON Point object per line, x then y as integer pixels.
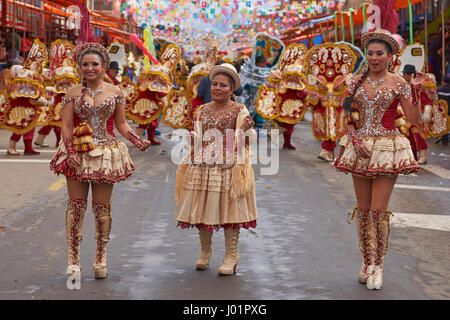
{"type": "Point", "coordinates": [390, 151]}
{"type": "Point", "coordinates": [210, 194]}
{"type": "Point", "coordinates": [109, 161]}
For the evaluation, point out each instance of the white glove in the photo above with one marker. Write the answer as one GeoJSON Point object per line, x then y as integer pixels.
{"type": "Point", "coordinates": [426, 116]}
{"type": "Point", "coordinates": [400, 122]}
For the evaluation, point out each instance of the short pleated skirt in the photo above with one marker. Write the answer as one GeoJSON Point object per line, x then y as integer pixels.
{"type": "Point", "coordinates": [103, 164]}
{"type": "Point", "coordinates": [204, 199]}
{"type": "Point", "coordinates": [390, 155]}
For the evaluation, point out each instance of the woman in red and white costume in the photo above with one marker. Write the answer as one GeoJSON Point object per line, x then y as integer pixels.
{"type": "Point", "coordinates": [89, 154]}
{"type": "Point", "coordinates": [374, 151]}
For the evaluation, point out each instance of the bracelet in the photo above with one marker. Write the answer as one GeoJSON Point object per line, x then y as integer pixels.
{"type": "Point", "coordinates": [356, 141]}
{"type": "Point", "coordinates": [68, 143]}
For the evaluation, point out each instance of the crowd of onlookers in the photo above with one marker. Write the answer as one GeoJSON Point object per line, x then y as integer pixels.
{"type": "Point", "coordinates": [22, 44]}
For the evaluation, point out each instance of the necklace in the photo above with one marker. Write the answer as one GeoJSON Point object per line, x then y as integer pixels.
{"type": "Point", "coordinates": [94, 93]}
{"type": "Point", "coordinates": [374, 84]}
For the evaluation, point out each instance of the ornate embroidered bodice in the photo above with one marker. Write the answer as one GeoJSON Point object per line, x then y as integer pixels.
{"type": "Point", "coordinates": [100, 117]}
{"type": "Point", "coordinates": [377, 115]}
{"type": "Point", "coordinates": [217, 127]}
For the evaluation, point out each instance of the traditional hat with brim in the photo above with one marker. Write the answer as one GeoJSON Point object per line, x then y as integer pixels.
{"type": "Point", "coordinates": [228, 69]}
{"type": "Point", "coordinates": [381, 34]}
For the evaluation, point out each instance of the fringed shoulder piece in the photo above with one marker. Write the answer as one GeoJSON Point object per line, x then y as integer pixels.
{"type": "Point", "coordinates": [242, 176]}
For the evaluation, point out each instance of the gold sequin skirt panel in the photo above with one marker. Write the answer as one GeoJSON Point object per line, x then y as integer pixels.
{"type": "Point", "coordinates": [204, 197]}
{"type": "Point", "coordinates": [109, 164]}
{"type": "Point", "coordinates": [391, 155]}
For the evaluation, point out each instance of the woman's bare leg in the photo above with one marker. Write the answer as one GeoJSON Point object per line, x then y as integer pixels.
{"type": "Point", "coordinates": [381, 192]}
{"type": "Point", "coordinates": [101, 206]}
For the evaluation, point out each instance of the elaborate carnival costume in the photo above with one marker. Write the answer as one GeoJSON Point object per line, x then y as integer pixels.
{"type": "Point", "coordinates": [198, 72]}
{"type": "Point", "coordinates": [177, 110]}
{"type": "Point", "coordinates": [25, 98]}
{"type": "Point", "coordinates": [215, 185]}
{"type": "Point", "coordinates": [104, 159]}
{"type": "Point", "coordinates": [63, 75]}
{"type": "Point", "coordinates": [390, 154]}
{"type": "Point", "coordinates": [434, 121]}
{"type": "Point", "coordinates": [153, 86]}
{"type": "Point", "coordinates": [282, 100]}
{"type": "Point", "coordinates": [267, 49]}
{"type": "Point", "coordinates": [328, 66]}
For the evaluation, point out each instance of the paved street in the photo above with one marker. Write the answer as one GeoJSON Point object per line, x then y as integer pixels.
{"type": "Point", "coordinates": [303, 247]}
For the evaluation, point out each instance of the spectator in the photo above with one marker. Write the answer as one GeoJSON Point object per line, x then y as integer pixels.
{"type": "Point", "coordinates": [9, 41]}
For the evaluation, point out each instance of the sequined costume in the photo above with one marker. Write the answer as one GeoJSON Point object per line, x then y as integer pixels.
{"type": "Point", "coordinates": [153, 86]}
{"type": "Point", "coordinates": [282, 100]}
{"type": "Point", "coordinates": [214, 189]}
{"type": "Point", "coordinates": [62, 75]}
{"type": "Point", "coordinates": [109, 161]}
{"type": "Point", "coordinates": [328, 65]}
{"type": "Point", "coordinates": [25, 98]}
{"type": "Point", "coordinates": [438, 121]}
{"type": "Point", "coordinates": [390, 151]}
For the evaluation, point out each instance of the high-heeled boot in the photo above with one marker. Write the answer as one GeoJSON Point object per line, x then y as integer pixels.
{"type": "Point", "coordinates": [380, 220]}
{"type": "Point", "coordinates": [364, 227]}
{"type": "Point", "coordinates": [206, 251]}
{"type": "Point", "coordinates": [103, 219]}
{"type": "Point", "coordinates": [74, 225]}
{"type": "Point", "coordinates": [231, 260]}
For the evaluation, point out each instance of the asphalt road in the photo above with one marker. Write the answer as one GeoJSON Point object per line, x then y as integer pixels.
{"type": "Point", "coordinates": [303, 247]}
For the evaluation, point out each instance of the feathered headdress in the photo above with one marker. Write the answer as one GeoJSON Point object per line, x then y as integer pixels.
{"type": "Point", "coordinates": [388, 17]}
{"type": "Point", "coordinates": [389, 21]}
{"type": "Point", "coordinates": [86, 40]}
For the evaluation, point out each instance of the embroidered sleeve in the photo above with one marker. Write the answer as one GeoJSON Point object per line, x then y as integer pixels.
{"type": "Point", "coordinates": [65, 100]}
{"type": "Point", "coordinates": [120, 98]}
{"type": "Point", "coordinates": [404, 90]}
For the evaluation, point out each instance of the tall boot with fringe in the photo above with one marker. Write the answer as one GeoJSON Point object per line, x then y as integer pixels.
{"type": "Point", "coordinates": [231, 260]}
{"type": "Point", "coordinates": [74, 225]}
{"type": "Point", "coordinates": [206, 251]}
{"type": "Point", "coordinates": [364, 227]}
{"type": "Point", "coordinates": [380, 220]}
{"type": "Point", "coordinates": [103, 219]}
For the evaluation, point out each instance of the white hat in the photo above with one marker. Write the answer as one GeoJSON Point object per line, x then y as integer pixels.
{"type": "Point", "coordinates": [228, 69]}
